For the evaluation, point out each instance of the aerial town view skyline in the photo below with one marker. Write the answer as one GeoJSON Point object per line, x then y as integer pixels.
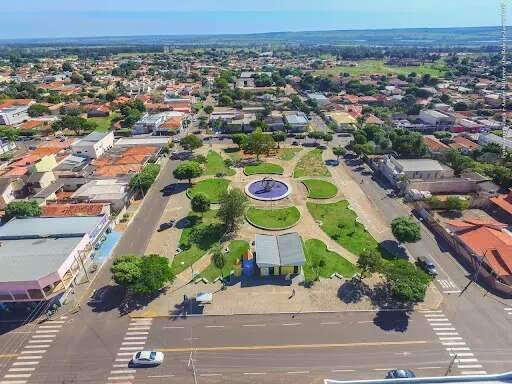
{"type": "Point", "coordinates": [273, 192]}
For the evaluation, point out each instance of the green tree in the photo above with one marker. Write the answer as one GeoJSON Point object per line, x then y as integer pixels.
{"type": "Point", "coordinates": [339, 151]}
{"type": "Point", "coordinates": [407, 282]}
{"type": "Point", "coordinates": [126, 270]}
{"type": "Point", "coordinates": [259, 142]}
{"type": "Point", "coordinates": [279, 137]}
{"type": "Point", "coordinates": [454, 203]}
{"type": "Point", "coordinates": [408, 144]}
{"type": "Point", "coordinates": [36, 110]}
{"type": "Point", "coordinates": [218, 259]}
{"type": "Point", "coordinates": [76, 78]}
{"type": "Point", "coordinates": [188, 170]}
{"type": "Point", "coordinates": [327, 137]}
{"type": "Point", "coordinates": [233, 205]}
{"type": "Point", "coordinates": [200, 203]}
{"type": "Point", "coordinates": [369, 262]}
{"type": "Point", "coordinates": [405, 229]}
{"type": "Point", "coordinates": [191, 142]}
{"type": "Point", "coordinates": [364, 149]}
{"type": "Point", "coordinates": [240, 139]}
{"type": "Point", "coordinates": [208, 109]}
{"type": "Point", "coordinates": [21, 209]}
{"type": "Point", "coordinates": [9, 133]}
{"type": "Point", "coordinates": [457, 161]}
{"type": "Point", "coordinates": [155, 274]}
{"type": "Point", "coordinates": [144, 179]}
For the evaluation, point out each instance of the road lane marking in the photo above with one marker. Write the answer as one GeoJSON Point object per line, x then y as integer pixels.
{"type": "Point", "coordinates": [420, 368]}
{"type": "Point", "coordinates": [26, 369]}
{"type": "Point", "coordinates": [444, 329]}
{"type": "Point", "coordinates": [442, 325]}
{"type": "Point", "coordinates": [298, 372]}
{"type": "Point", "coordinates": [124, 353]}
{"type": "Point", "coordinates": [124, 359]}
{"type": "Point", "coordinates": [136, 333]}
{"type": "Point", "coordinates": [138, 328]}
{"type": "Point", "coordinates": [443, 319]}
{"type": "Point", "coordinates": [39, 341]}
{"type": "Point", "coordinates": [453, 291]}
{"type": "Point", "coordinates": [383, 369]}
{"type": "Point", "coordinates": [133, 342]}
{"type": "Point", "coordinates": [474, 373]}
{"type": "Point", "coordinates": [18, 376]}
{"type": "Point", "coordinates": [36, 346]}
{"type": "Point", "coordinates": [13, 382]}
{"type": "Point", "coordinates": [454, 343]}
{"type": "Point", "coordinates": [122, 371]}
{"type": "Point", "coordinates": [450, 338]}
{"type": "Point", "coordinates": [447, 333]}
{"type": "Point", "coordinates": [131, 377]}
{"type": "Point", "coordinates": [50, 326]}
{"type": "Point", "coordinates": [47, 330]}
{"type": "Point", "coordinates": [160, 376]}
{"type": "Point", "coordinates": [214, 326]}
{"type": "Point", "coordinates": [330, 323]}
{"type": "Point", "coordinates": [293, 346]}
{"type": "Point", "coordinates": [431, 311]}
{"type": "Point", "coordinates": [210, 374]}
{"type": "Point", "coordinates": [342, 370]}
{"type": "Point", "coordinates": [129, 348]}
{"type": "Point", "coordinates": [28, 357]}
{"type": "Point", "coordinates": [365, 322]}
{"type": "Point", "coordinates": [471, 366]}
{"type": "Point", "coordinates": [254, 325]}
{"type": "Point", "coordinates": [466, 360]}
{"type": "Point", "coordinates": [290, 324]}
{"type": "Point", "coordinates": [255, 373]}
{"type": "Point", "coordinates": [434, 315]}
{"type": "Point", "coordinates": [26, 363]}
{"type": "Point", "coordinates": [135, 338]}
{"type": "Point", "coordinates": [458, 349]}
{"type": "Point", "coordinates": [8, 355]}
{"type": "Point", "coordinates": [43, 336]}
{"type": "Point", "coordinates": [462, 354]}
{"type": "Point", "coordinates": [173, 327]}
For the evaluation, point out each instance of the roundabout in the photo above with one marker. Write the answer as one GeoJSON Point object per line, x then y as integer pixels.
{"type": "Point", "coordinates": [268, 189]}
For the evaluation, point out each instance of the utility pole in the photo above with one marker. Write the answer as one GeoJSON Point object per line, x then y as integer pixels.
{"type": "Point", "coordinates": [475, 275]}
{"type": "Point", "coordinates": [450, 367]}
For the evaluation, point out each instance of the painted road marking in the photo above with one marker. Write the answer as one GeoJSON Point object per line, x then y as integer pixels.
{"type": "Point", "coordinates": [454, 343]}
{"type": "Point", "coordinates": [129, 348]}
{"type": "Point", "coordinates": [470, 366]}
{"type": "Point", "coordinates": [8, 355]}
{"type": "Point", "coordinates": [342, 370]}
{"type": "Point", "coordinates": [462, 354]}
{"type": "Point", "coordinates": [214, 326]}
{"type": "Point", "coordinates": [419, 368]}
{"type": "Point", "coordinates": [444, 329]}
{"type": "Point", "coordinates": [255, 373]}
{"type": "Point", "coordinates": [123, 359]}
{"type": "Point", "coordinates": [290, 324]}
{"type": "Point", "coordinates": [450, 338]}
{"type": "Point", "coordinates": [293, 346]}
{"type": "Point", "coordinates": [26, 369]}
{"type": "Point", "coordinates": [254, 325]}
{"type": "Point", "coordinates": [159, 376]}
{"type": "Point", "coordinates": [123, 371]}
{"type": "Point", "coordinates": [474, 372]}
{"type": "Point", "coordinates": [173, 327]}
{"type": "Point", "coordinates": [210, 374]}
{"type": "Point", "coordinates": [330, 323]}
{"type": "Point", "coordinates": [135, 338]}
{"type": "Point", "coordinates": [26, 363]}
{"type": "Point", "coordinates": [458, 349]}
{"type": "Point", "coordinates": [28, 357]}
{"type": "Point", "coordinates": [37, 346]}
{"type": "Point", "coordinates": [13, 382]}
{"type": "Point", "coordinates": [131, 377]}
{"type": "Point", "coordinates": [136, 333]}
{"type": "Point", "coordinates": [138, 328]}
{"type": "Point", "coordinates": [298, 372]}
{"type": "Point", "coordinates": [18, 376]}
{"type": "Point", "coordinates": [453, 291]}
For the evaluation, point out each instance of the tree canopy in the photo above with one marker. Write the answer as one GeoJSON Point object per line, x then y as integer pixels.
{"type": "Point", "coordinates": [21, 209]}
{"type": "Point", "coordinates": [188, 170]}
{"type": "Point", "coordinates": [259, 142]}
{"type": "Point", "coordinates": [407, 282]}
{"type": "Point", "coordinates": [200, 203]}
{"type": "Point", "coordinates": [191, 142]}
{"type": "Point", "coordinates": [405, 229]}
{"type": "Point", "coordinates": [145, 178]}
{"type": "Point", "coordinates": [233, 205]}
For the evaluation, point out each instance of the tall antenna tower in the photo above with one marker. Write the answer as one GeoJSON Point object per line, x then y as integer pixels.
{"type": "Point", "coordinates": [504, 70]}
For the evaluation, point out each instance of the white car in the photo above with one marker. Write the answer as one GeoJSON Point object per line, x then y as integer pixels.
{"type": "Point", "coordinates": [147, 358]}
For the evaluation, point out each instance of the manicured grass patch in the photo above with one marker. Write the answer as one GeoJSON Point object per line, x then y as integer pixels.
{"type": "Point", "coordinates": [232, 260]}
{"type": "Point", "coordinates": [320, 189]}
{"type": "Point", "coordinates": [215, 165]}
{"type": "Point", "coordinates": [213, 188]}
{"type": "Point", "coordinates": [311, 165]}
{"type": "Point", "coordinates": [369, 67]}
{"type": "Point", "coordinates": [234, 153]}
{"type": "Point", "coordinates": [320, 262]}
{"type": "Point", "coordinates": [288, 153]}
{"type": "Point", "coordinates": [273, 218]}
{"type": "Point", "coordinates": [339, 222]}
{"type": "Point", "coordinates": [104, 123]}
{"type": "Point", "coordinates": [201, 234]}
{"type": "Point", "coordinates": [264, 168]}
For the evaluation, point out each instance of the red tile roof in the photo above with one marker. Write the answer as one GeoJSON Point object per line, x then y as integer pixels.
{"type": "Point", "coordinates": [504, 202]}
{"type": "Point", "coordinates": [82, 209]}
{"type": "Point", "coordinates": [465, 143]}
{"type": "Point", "coordinates": [434, 145]}
{"type": "Point", "coordinates": [14, 102]}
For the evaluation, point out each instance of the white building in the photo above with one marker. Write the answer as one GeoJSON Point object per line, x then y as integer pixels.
{"type": "Point", "coordinates": [319, 98]}
{"type": "Point", "coordinates": [433, 117]}
{"type": "Point", "coordinates": [296, 120]}
{"type": "Point", "coordinates": [488, 138]}
{"type": "Point", "coordinates": [149, 123]}
{"type": "Point", "coordinates": [93, 145]}
{"type": "Point", "coordinates": [14, 115]}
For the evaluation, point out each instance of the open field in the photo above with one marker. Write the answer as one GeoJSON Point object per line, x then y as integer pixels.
{"type": "Point", "coordinates": [104, 123]}
{"type": "Point", "coordinates": [311, 164]}
{"type": "Point", "coordinates": [369, 67]}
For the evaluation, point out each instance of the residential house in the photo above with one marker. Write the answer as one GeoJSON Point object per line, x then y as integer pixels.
{"type": "Point", "coordinates": [279, 255]}
{"type": "Point", "coordinates": [342, 120]}
{"type": "Point", "coordinates": [296, 121]}
{"type": "Point", "coordinates": [10, 189]}
{"type": "Point", "coordinates": [504, 204]}
{"type": "Point", "coordinates": [488, 138]}
{"type": "Point", "coordinates": [14, 111]}
{"type": "Point", "coordinates": [435, 146]}
{"type": "Point", "coordinates": [318, 98]}
{"type": "Point", "coordinates": [41, 257]}
{"type": "Point", "coordinates": [111, 191]}
{"type": "Point", "coordinates": [275, 121]}
{"type": "Point", "coordinates": [464, 145]}
{"type": "Point", "coordinates": [149, 123]}
{"type": "Point", "coordinates": [435, 118]}
{"type": "Point", "coordinates": [76, 209]}
{"type": "Point", "coordinates": [94, 145]}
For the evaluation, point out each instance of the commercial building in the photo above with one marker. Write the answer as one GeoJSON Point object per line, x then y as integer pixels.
{"type": "Point", "coordinates": [279, 255]}
{"type": "Point", "coordinates": [112, 191]}
{"type": "Point", "coordinates": [14, 111]}
{"type": "Point", "coordinates": [94, 145]}
{"type": "Point", "coordinates": [40, 257]}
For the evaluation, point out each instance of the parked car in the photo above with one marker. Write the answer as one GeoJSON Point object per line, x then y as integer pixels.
{"type": "Point", "coordinates": [295, 142]}
{"type": "Point", "coordinates": [427, 265]}
{"type": "Point", "coordinates": [400, 374]}
{"type": "Point", "coordinates": [147, 358]}
{"type": "Point", "coordinates": [166, 225]}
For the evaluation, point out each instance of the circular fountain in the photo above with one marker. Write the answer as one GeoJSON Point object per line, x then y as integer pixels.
{"type": "Point", "coordinates": [268, 189]}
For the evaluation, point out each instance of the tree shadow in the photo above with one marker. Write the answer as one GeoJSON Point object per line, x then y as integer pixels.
{"type": "Point", "coordinates": [188, 306]}
{"type": "Point", "coordinates": [450, 214]}
{"type": "Point", "coordinates": [392, 320]}
{"type": "Point", "coordinates": [353, 291]}
{"type": "Point", "coordinates": [174, 189]}
{"type": "Point", "coordinates": [187, 222]}
{"type": "Point", "coordinates": [391, 249]}
{"type": "Point", "coordinates": [107, 298]}
{"type": "Point", "coordinates": [231, 150]}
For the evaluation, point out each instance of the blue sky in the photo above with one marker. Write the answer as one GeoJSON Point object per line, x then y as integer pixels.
{"type": "Point", "coordinates": [68, 18]}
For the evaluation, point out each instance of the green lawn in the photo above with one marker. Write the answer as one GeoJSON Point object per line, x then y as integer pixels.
{"type": "Point", "coordinates": [339, 222]}
{"type": "Point", "coordinates": [234, 153]}
{"type": "Point", "coordinates": [104, 123]}
{"type": "Point", "coordinates": [264, 168]}
{"type": "Point", "coordinates": [370, 67]}
{"type": "Point", "coordinates": [311, 164]}
{"type": "Point", "coordinates": [213, 188]}
{"type": "Point", "coordinates": [215, 165]}
{"type": "Point", "coordinates": [197, 238]}
{"type": "Point", "coordinates": [323, 263]}
{"type": "Point", "coordinates": [273, 219]}
{"type": "Point", "coordinates": [320, 189]}
{"type": "Point", "coordinates": [288, 153]}
{"type": "Point", "coordinates": [232, 260]}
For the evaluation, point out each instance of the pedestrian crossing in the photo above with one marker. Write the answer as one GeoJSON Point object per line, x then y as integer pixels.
{"type": "Point", "coordinates": [508, 311]}
{"type": "Point", "coordinates": [134, 340]}
{"type": "Point", "coordinates": [461, 356]}
{"type": "Point", "coordinates": [448, 286]}
{"type": "Point", "coordinates": [26, 363]}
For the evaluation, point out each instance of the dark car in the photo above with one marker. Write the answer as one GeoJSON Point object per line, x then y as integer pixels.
{"type": "Point", "coordinates": [295, 142]}
{"type": "Point", "coordinates": [400, 374]}
{"type": "Point", "coordinates": [427, 265]}
{"type": "Point", "coordinates": [166, 225]}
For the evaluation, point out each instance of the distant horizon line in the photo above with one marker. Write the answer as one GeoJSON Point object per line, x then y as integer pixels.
{"type": "Point", "coordinates": [89, 37]}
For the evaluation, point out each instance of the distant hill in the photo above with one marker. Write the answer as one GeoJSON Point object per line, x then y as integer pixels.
{"type": "Point", "coordinates": [418, 37]}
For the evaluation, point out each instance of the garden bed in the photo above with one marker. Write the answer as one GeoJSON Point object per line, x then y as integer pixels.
{"type": "Point", "coordinates": [320, 189]}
